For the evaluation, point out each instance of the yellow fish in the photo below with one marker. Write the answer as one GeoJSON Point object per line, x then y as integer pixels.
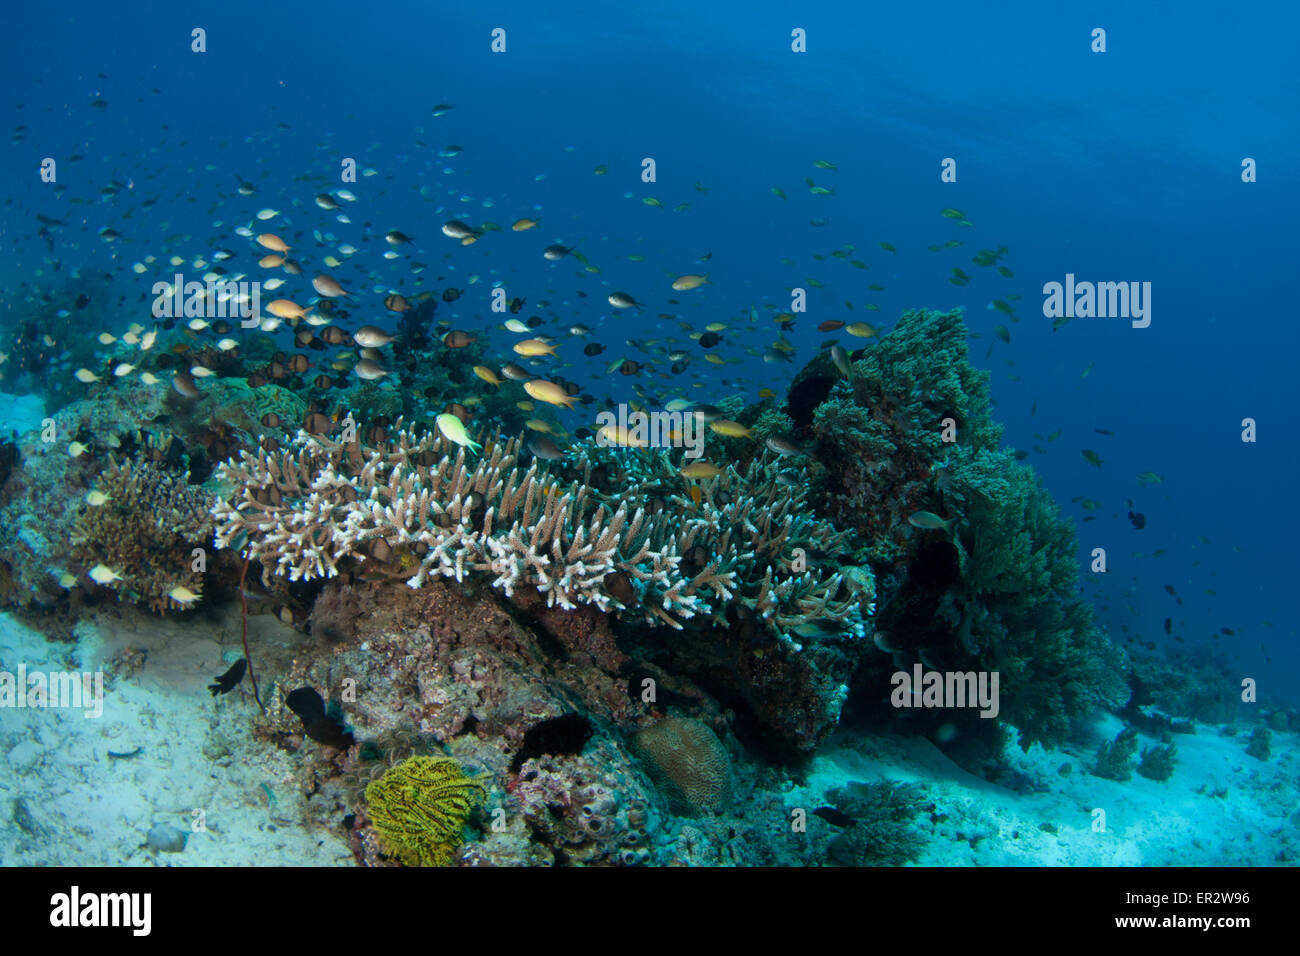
{"type": "Point", "coordinates": [701, 469]}
{"type": "Point", "coordinates": [521, 225]}
{"type": "Point", "coordinates": [548, 392]}
{"type": "Point", "coordinates": [269, 240]}
{"type": "Point", "coordinates": [861, 329]}
{"type": "Point", "coordinates": [453, 429]}
{"type": "Point", "coordinates": [687, 282]}
{"type": "Point", "coordinates": [182, 595]}
{"type": "Point", "coordinates": [730, 429]}
{"type": "Point", "coordinates": [485, 373]}
{"type": "Point", "coordinates": [102, 574]}
{"type": "Point", "coordinates": [614, 435]}
{"type": "Point", "coordinates": [534, 347]}
{"type": "Point", "coordinates": [285, 309]}
{"type": "Point", "coordinates": [538, 425]}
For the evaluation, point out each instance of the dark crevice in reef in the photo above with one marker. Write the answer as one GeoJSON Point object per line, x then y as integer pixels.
{"type": "Point", "coordinates": [557, 736]}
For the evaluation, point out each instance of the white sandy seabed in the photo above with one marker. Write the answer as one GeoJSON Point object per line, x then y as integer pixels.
{"type": "Point", "coordinates": [65, 801]}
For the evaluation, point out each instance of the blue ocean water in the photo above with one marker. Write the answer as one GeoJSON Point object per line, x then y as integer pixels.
{"type": "Point", "coordinates": [1122, 165]}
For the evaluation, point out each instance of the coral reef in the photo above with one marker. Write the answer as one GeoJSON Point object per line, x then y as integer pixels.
{"type": "Point", "coordinates": [881, 832]}
{"type": "Point", "coordinates": [146, 531]}
{"type": "Point", "coordinates": [414, 505]}
{"type": "Point", "coordinates": [1186, 683]}
{"type": "Point", "coordinates": [1114, 757]}
{"type": "Point", "coordinates": [1017, 604]}
{"type": "Point", "coordinates": [688, 762]}
{"type": "Point", "coordinates": [588, 809]}
{"type": "Point", "coordinates": [1157, 763]}
{"type": "Point", "coordinates": [419, 809]}
{"type": "Point", "coordinates": [1259, 745]}
{"type": "Point", "coordinates": [880, 434]}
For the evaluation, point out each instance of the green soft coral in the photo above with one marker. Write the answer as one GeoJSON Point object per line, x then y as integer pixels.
{"type": "Point", "coordinates": [1020, 588]}
{"type": "Point", "coordinates": [882, 433]}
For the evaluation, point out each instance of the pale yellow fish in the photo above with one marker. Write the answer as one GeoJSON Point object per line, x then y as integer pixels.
{"type": "Point", "coordinates": [861, 329]}
{"type": "Point", "coordinates": [149, 378]}
{"type": "Point", "coordinates": [715, 326]}
{"type": "Point", "coordinates": [730, 429]}
{"type": "Point", "coordinates": [522, 224]}
{"type": "Point", "coordinates": [102, 574]}
{"type": "Point", "coordinates": [125, 368]}
{"type": "Point", "coordinates": [201, 371]}
{"type": "Point", "coordinates": [97, 498]}
{"type": "Point", "coordinates": [548, 392]}
{"type": "Point", "coordinates": [86, 376]}
{"type": "Point", "coordinates": [147, 340]}
{"type": "Point", "coordinates": [453, 429]}
{"type": "Point", "coordinates": [131, 338]}
{"type": "Point", "coordinates": [485, 373]}
{"type": "Point", "coordinates": [701, 469]}
{"type": "Point", "coordinates": [106, 339]}
{"type": "Point", "coordinates": [514, 325]}
{"type": "Point", "coordinates": [687, 282]}
{"type": "Point", "coordinates": [227, 344]}
{"type": "Point", "coordinates": [538, 425]}
{"type": "Point", "coordinates": [615, 435]}
{"type": "Point", "coordinates": [182, 595]}
{"type": "Point", "coordinates": [198, 325]}
{"type": "Point", "coordinates": [285, 309]}
{"type": "Point", "coordinates": [534, 347]}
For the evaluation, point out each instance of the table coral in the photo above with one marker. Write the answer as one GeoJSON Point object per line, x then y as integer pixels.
{"type": "Point", "coordinates": [416, 503]}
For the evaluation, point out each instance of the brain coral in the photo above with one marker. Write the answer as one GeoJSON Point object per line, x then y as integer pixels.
{"type": "Point", "coordinates": [688, 761]}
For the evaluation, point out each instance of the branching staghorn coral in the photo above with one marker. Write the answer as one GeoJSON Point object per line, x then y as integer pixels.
{"type": "Point", "coordinates": [416, 502]}
{"type": "Point", "coordinates": [146, 530]}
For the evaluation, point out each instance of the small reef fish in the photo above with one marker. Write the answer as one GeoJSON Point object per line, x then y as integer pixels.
{"type": "Point", "coordinates": [453, 429]}
{"type": "Point", "coordinates": [929, 521]}
{"type": "Point", "coordinates": [102, 574]}
{"type": "Point", "coordinates": [230, 679]}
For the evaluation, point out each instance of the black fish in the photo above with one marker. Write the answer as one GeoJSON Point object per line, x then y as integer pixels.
{"type": "Point", "coordinates": [1139, 519]}
{"type": "Point", "coordinates": [836, 818]}
{"type": "Point", "coordinates": [230, 679]}
{"type": "Point", "coordinates": [595, 348]}
{"type": "Point", "coordinates": [319, 725]}
{"type": "Point", "coordinates": [1169, 625]}
{"type": "Point", "coordinates": [710, 339]}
